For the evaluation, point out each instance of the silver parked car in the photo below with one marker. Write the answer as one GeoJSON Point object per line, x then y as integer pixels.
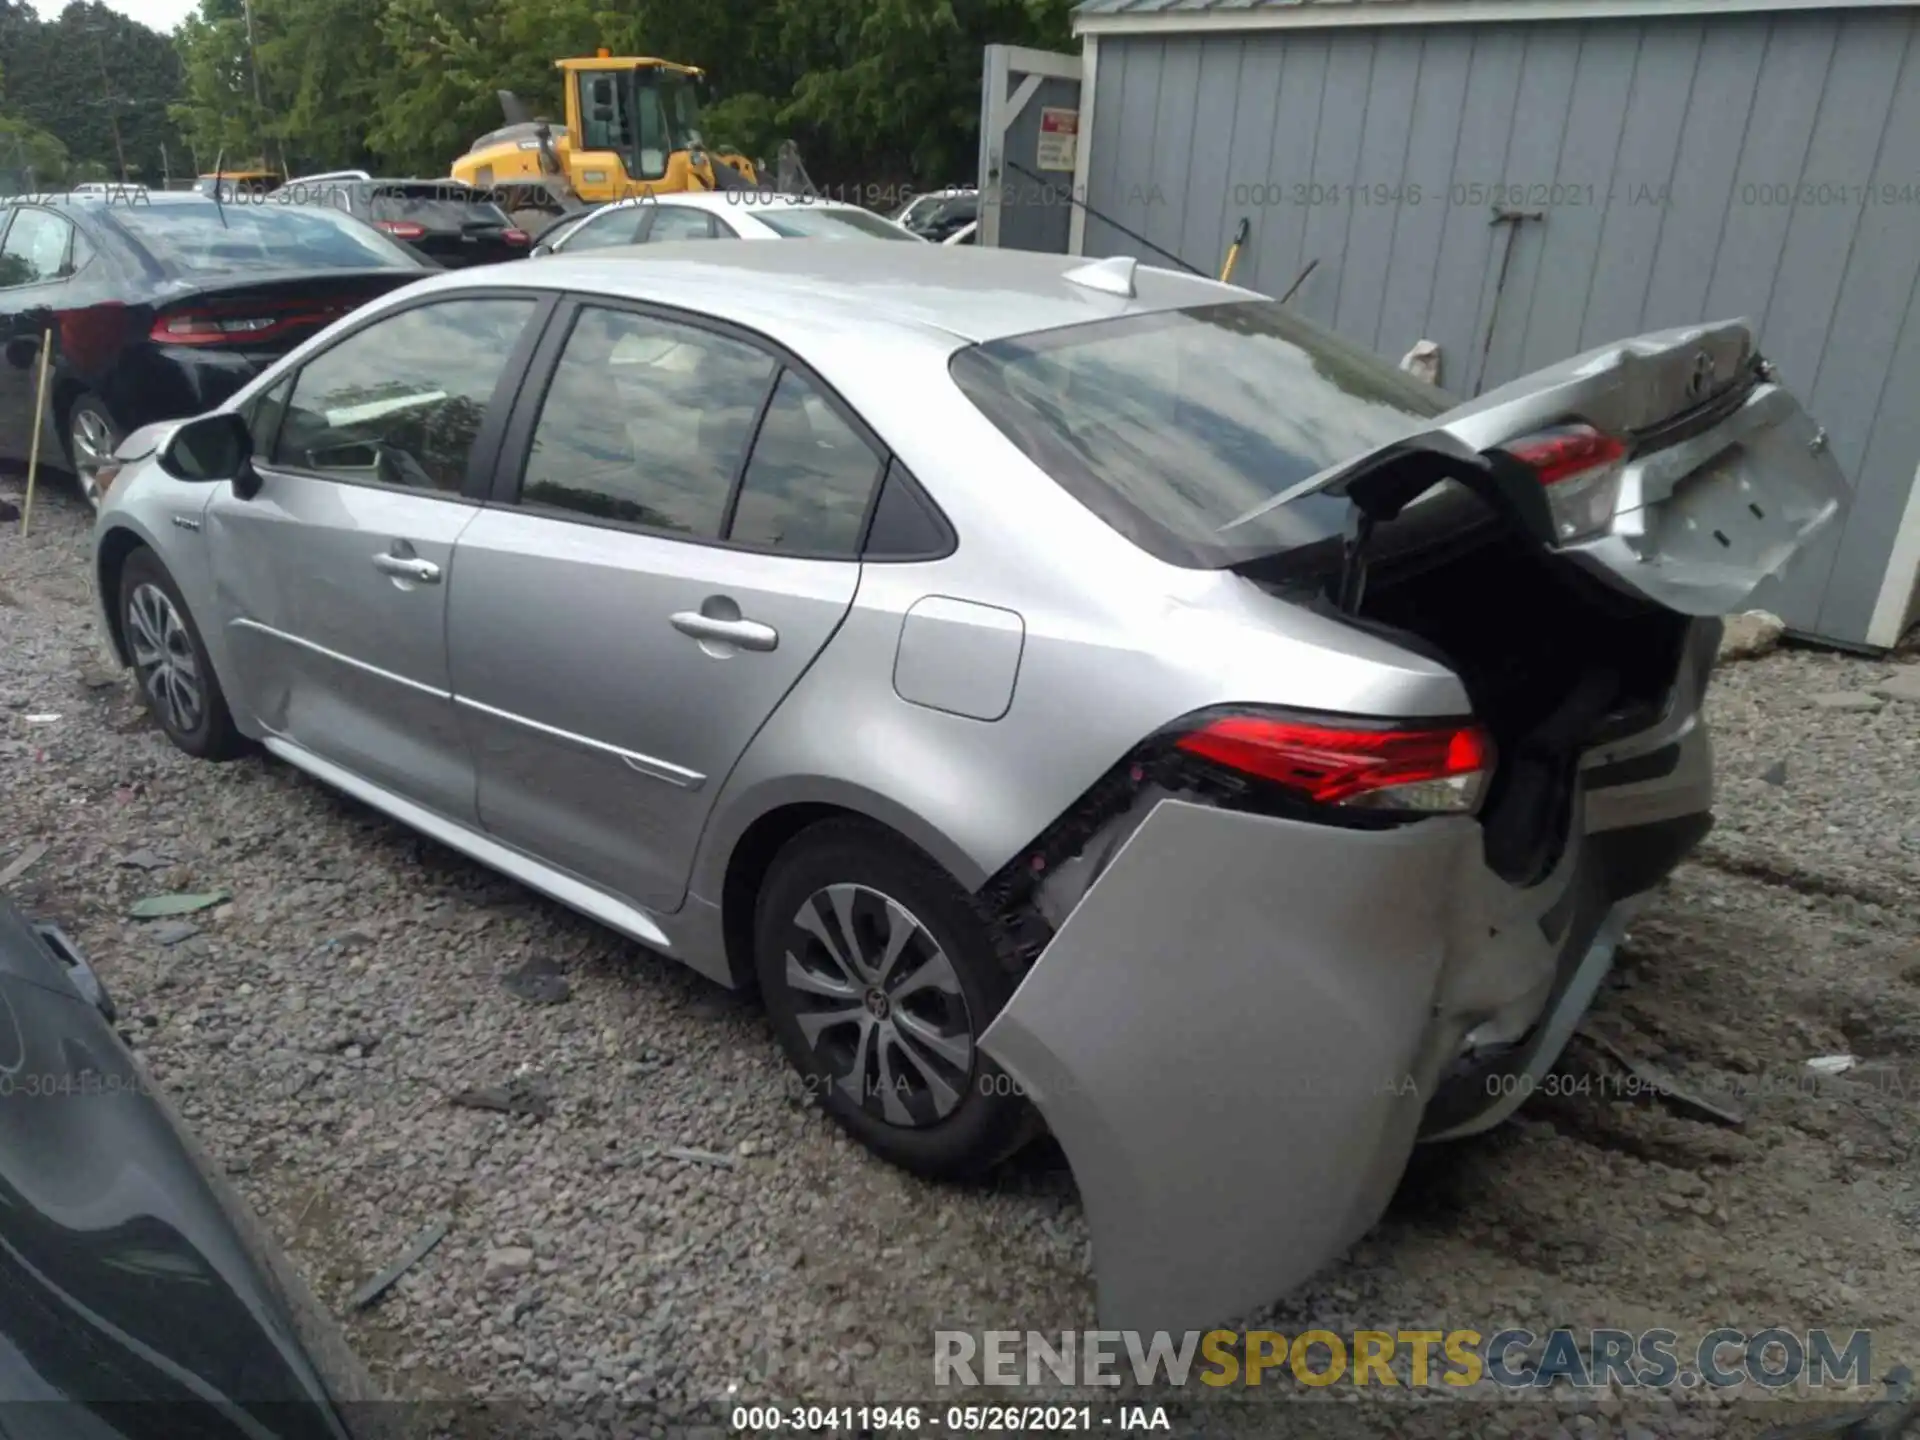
{"type": "Point", "coordinates": [1074, 694]}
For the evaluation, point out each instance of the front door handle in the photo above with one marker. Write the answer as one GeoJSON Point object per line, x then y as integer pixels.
{"type": "Point", "coordinates": [747, 634]}
{"type": "Point", "coordinates": [408, 567]}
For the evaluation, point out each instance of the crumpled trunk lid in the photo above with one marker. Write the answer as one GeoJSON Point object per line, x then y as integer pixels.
{"type": "Point", "coordinates": [1725, 478]}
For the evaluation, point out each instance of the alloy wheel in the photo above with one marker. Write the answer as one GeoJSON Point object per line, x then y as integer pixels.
{"type": "Point", "coordinates": [163, 658]}
{"type": "Point", "coordinates": [879, 1004]}
{"type": "Point", "coordinates": [92, 443]}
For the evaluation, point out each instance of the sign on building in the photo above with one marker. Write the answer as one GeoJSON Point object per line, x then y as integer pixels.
{"type": "Point", "coordinates": [1059, 129]}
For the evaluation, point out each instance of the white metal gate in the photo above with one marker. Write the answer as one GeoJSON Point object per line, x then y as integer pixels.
{"type": "Point", "coordinates": [1029, 142]}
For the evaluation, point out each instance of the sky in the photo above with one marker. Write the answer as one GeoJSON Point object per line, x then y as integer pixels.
{"type": "Point", "coordinates": [161, 15]}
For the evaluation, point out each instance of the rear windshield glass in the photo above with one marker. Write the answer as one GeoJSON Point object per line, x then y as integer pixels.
{"type": "Point", "coordinates": [263, 236]}
{"type": "Point", "coordinates": [801, 222]}
{"type": "Point", "coordinates": [436, 208]}
{"type": "Point", "coordinates": [1180, 428]}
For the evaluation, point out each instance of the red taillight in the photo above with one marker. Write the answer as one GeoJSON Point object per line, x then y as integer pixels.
{"type": "Point", "coordinates": [1580, 468]}
{"type": "Point", "coordinates": [403, 229]}
{"type": "Point", "coordinates": [1427, 770]}
{"type": "Point", "coordinates": [236, 326]}
{"type": "Point", "coordinates": [515, 237]}
{"type": "Point", "coordinates": [1566, 451]}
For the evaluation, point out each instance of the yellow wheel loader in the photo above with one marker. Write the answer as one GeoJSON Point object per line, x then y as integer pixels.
{"type": "Point", "coordinates": [632, 128]}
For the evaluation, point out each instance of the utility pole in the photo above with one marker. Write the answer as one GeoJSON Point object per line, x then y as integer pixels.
{"type": "Point", "coordinates": [106, 97]}
{"type": "Point", "coordinates": [259, 99]}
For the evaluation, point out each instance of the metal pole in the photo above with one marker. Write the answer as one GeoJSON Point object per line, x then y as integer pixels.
{"type": "Point", "coordinates": [39, 414]}
{"type": "Point", "coordinates": [259, 99]}
{"type": "Point", "coordinates": [106, 94]}
{"type": "Point", "coordinates": [1513, 220]}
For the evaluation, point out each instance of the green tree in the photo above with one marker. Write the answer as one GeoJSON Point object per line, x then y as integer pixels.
{"type": "Point", "coordinates": [99, 83]}
{"type": "Point", "coordinates": [30, 158]}
{"type": "Point", "coordinates": [216, 111]}
{"type": "Point", "coordinates": [872, 90]}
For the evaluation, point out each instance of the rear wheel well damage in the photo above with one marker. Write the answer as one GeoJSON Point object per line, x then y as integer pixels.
{"type": "Point", "coordinates": [1007, 908]}
{"type": "Point", "coordinates": [747, 870]}
{"type": "Point", "coordinates": [116, 547]}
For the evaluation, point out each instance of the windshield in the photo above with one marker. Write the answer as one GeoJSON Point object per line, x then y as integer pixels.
{"type": "Point", "coordinates": [813, 223]}
{"type": "Point", "coordinates": [438, 207]}
{"type": "Point", "coordinates": [259, 237]}
{"type": "Point", "coordinates": [1179, 428]}
{"type": "Point", "coordinates": [680, 99]}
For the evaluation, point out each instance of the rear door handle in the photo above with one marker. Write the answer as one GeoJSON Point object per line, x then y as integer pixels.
{"type": "Point", "coordinates": [747, 634]}
{"type": "Point", "coordinates": [408, 567]}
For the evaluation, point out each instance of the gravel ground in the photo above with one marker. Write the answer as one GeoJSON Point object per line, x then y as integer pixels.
{"type": "Point", "coordinates": [314, 1029]}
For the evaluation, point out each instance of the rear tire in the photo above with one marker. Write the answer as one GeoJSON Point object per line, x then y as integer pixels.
{"type": "Point", "coordinates": [170, 664]}
{"type": "Point", "coordinates": [890, 1052]}
{"type": "Point", "coordinates": [90, 437]}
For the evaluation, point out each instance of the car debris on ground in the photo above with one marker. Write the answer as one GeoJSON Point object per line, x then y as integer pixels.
{"type": "Point", "coordinates": [156, 907]}
{"type": "Point", "coordinates": [417, 1250]}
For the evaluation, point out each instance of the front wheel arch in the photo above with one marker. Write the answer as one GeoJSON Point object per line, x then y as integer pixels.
{"type": "Point", "coordinates": [110, 563]}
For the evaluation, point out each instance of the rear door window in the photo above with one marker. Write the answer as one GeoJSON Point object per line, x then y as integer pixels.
{"type": "Point", "coordinates": [610, 227]}
{"type": "Point", "coordinates": [35, 248]}
{"type": "Point", "coordinates": [810, 479]}
{"type": "Point", "coordinates": [679, 222]}
{"type": "Point", "coordinates": [645, 423]}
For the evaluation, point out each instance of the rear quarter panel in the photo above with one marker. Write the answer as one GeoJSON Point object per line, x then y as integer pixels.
{"type": "Point", "coordinates": [1116, 645]}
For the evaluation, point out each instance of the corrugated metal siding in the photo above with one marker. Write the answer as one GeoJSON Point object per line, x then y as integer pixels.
{"type": "Point", "coordinates": [1664, 153]}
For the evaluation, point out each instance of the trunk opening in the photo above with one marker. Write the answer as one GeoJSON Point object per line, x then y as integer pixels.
{"type": "Point", "coordinates": [1554, 661]}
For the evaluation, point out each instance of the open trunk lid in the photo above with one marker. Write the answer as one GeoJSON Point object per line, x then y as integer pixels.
{"type": "Point", "coordinates": [1672, 465]}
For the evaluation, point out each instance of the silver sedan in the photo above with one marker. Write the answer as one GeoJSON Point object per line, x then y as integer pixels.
{"type": "Point", "coordinates": [1075, 695]}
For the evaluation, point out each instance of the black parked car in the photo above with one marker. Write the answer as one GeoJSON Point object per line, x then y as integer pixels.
{"type": "Point", "coordinates": [451, 223]}
{"type": "Point", "coordinates": [139, 1297]}
{"type": "Point", "coordinates": [162, 304]}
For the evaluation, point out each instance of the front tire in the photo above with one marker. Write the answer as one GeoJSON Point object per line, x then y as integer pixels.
{"type": "Point", "coordinates": [170, 663]}
{"type": "Point", "coordinates": [879, 976]}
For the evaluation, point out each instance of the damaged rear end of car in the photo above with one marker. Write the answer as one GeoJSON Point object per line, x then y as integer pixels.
{"type": "Point", "coordinates": [1273, 948]}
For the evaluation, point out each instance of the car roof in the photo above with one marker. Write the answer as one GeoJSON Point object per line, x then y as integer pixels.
{"type": "Point", "coordinates": [113, 198]}
{"type": "Point", "coordinates": [453, 188]}
{"type": "Point", "coordinates": [795, 292]}
{"type": "Point", "coordinates": [724, 200]}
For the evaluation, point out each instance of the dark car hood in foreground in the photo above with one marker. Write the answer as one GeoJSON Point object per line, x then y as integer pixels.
{"type": "Point", "coordinates": [138, 1296]}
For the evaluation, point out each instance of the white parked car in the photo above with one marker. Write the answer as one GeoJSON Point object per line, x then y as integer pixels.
{"type": "Point", "coordinates": [719, 215]}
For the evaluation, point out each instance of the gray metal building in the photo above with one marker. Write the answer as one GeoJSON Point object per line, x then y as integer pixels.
{"type": "Point", "coordinates": [1517, 180]}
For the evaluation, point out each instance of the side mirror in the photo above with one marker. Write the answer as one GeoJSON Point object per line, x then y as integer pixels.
{"type": "Point", "coordinates": [213, 448]}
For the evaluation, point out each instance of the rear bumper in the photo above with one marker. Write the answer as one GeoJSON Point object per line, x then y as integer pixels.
{"type": "Point", "coordinates": [1239, 1033]}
